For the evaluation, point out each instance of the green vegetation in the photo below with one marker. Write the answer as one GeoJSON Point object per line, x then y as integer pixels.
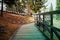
{"type": "Point", "coordinates": [35, 5]}
{"type": "Point", "coordinates": [58, 4]}
{"type": "Point", "coordinates": [58, 8]}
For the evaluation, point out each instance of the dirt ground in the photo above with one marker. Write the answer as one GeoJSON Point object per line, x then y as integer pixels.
{"type": "Point", "coordinates": [11, 22]}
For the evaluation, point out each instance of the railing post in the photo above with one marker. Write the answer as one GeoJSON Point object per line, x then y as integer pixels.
{"type": "Point", "coordinates": [43, 24]}
{"type": "Point", "coordinates": [39, 20]}
{"type": "Point", "coordinates": [51, 27]}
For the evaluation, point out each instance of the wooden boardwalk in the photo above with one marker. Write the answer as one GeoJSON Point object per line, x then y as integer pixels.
{"type": "Point", "coordinates": [28, 32]}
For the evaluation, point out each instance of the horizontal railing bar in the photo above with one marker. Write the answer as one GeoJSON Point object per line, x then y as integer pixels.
{"type": "Point", "coordinates": [58, 36]}
{"type": "Point", "coordinates": [52, 27]}
{"type": "Point", "coordinates": [43, 33]}
{"type": "Point", "coordinates": [46, 27]}
{"type": "Point", "coordinates": [48, 13]}
{"type": "Point", "coordinates": [54, 30]}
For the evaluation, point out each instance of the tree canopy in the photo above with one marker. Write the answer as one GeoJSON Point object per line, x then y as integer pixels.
{"type": "Point", "coordinates": [35, 5]}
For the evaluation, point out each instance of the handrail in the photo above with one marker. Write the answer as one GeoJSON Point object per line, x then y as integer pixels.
{"type": "Point", "coordinates": [51, 12]}
{"type": "Point", "coordinates": [50, 28]}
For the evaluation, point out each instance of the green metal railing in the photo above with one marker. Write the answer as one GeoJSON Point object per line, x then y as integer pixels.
{"type": "Point", "coordinates": [45, 23]}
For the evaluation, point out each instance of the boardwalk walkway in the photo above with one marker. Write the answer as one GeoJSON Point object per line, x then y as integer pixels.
{"type": "Point", "coordinates": [28, 32]}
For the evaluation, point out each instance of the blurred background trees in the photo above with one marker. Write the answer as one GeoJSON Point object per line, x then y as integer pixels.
{"type": "Point", "coordinates": [34, 6]}
{"type": "Point", "coordinates": [58, 8]}
{"type": "Point", "coordinates": [18, 6]}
